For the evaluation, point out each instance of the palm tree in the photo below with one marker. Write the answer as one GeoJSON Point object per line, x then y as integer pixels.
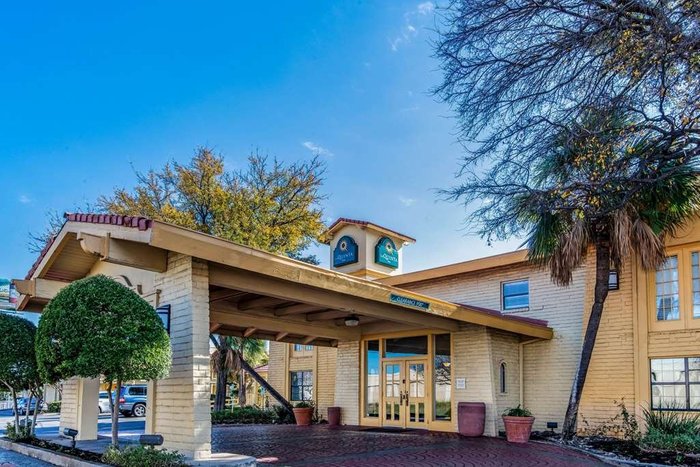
{"type": "Point", "coordinates": [594, 191]}
{"type": "Point", "coordinates": [230, 358]}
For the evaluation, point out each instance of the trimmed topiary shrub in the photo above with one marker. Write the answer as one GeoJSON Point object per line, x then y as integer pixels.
{"type": "Point", "coordinates": [139, 456]}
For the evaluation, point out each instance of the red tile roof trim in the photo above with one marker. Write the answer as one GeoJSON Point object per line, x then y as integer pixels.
{"type": "Point", "coordinates": [346, 220]}
{"type": "Point", "coordinates": [525, 319]}
{"type": "Point", "coordinates": [141, 223]}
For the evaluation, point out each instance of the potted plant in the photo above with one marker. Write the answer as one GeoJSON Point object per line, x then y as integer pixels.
{"type": "Point", "coordinates": [303, 413]}
{"type": "Point", "coordinates": [518, 422]}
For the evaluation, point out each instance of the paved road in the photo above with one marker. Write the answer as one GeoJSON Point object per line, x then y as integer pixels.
{"type": "Point", "coordinates": [12, 459]}
{"type": "Point", "coordinates": [47, 424]}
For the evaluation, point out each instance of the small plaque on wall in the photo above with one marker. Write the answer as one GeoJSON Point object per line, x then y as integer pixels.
{"type": "Point", "coordinates": [461, 383]}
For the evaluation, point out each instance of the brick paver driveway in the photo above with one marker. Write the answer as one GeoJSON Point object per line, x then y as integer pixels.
{"type": "Point", "coordinates": [321, 445]}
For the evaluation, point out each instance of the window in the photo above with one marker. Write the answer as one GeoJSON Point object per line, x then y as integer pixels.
{"type": "Point", "coordinates": [442, 408]}
{"type": "Point", "coordinates": [303, 348]}
{"type": "Point", "coordinates": [302, 385]}
{"type": "Point", "coordinates": [406, 346]}
{"type": "Point", "coordinates": [137, 391]}
{"type": "Point", "coordinates": [675, 383]}
{"type": "Point", "coordinates": [502, 377]}
{"type": "Point", "coordinates": [667, 295]}
{"type": "Point", "coordinates": [695, 277]}
{"type": "Point", "coordinates": [516, 294]}
{"type": "Point", "coordinates": [372, 378]}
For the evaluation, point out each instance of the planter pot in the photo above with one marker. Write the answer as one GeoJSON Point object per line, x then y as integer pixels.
{"type": "Point", "coordinates": [518, 428]}
{"type": "Point", "coordinates": [333, 416]}
{"type": "Point", "coordinates": [470, 418]}
{"type": "Point", "coordinates": [303, 415]}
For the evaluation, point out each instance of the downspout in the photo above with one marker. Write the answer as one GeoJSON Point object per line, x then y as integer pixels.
{"type": "Point", "coordinates": [521, 370]}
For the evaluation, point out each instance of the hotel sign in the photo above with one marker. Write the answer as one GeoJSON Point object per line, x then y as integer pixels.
{"type": "Point", "coordinates": [385, 253]}
{"type": "Point", "coordinates": [345, 252]}
{"type": "Point", "coordinates": [401, 300]}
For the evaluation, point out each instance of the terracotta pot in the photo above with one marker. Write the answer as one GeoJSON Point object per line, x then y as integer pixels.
{"type": "Point", "coordinates": [303, 415]}
{"type": "Point", "coordinates": [518, 428]}
{"type": "Point", "coordinates": [333, 416]}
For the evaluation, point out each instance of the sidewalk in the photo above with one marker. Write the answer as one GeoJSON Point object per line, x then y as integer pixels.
{"type": "Point", "coordinates": [13, 459]}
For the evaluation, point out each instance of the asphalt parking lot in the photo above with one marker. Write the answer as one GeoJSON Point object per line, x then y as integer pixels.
{"type": "Point", "coordinates": [47, 424]}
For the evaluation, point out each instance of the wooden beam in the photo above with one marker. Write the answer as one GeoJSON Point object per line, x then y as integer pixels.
{"type": "Point", "coordinates": [325, 315]}
{"type": "Point", "coordinates": [249, 332]}
{"type": "Point", "coordinates": [214, 327]}
{"type": "Point", "coordinates": [285, 290]}
{"type": "Point", "coordinates": [273, 324]}
{"type": "Point", "coordinates": [260, 302]}
{"type": "Point", "coordinates": [297, 309]}
{"type": "Point", "coordinates": [223, 294]}
{"type": "Point", "coordinates": [38, 288]}
{"type": "Point", "coordinates": [281, 335]}
{"type": "Point", "coordinates": [308, 339]}
{"type": "Point", "coordinates": [124, 252]}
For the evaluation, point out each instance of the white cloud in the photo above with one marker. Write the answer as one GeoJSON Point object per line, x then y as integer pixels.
{"type": "Point", "coordinates": [408, 202]}
{"type": "Point", "coordinates": [426, 8]}
{"type": "Point", "coordinates": [409, 30]}
{"type": "Point", "coordinates": [24, 199]}
{"type": "Point", "coordinates": [316, 149]}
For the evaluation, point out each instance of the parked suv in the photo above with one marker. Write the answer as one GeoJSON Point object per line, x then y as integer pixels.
{"type": "Point", "coordinates": [24, 404]}
{"type": "Point", "coordinates": [132, 402]}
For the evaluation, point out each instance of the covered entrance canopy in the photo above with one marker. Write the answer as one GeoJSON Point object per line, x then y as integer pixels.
{"type": "Point", "coordinates": [214, 285]}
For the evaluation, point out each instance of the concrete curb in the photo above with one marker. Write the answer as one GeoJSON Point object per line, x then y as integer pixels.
{"type": "Point", "coordinates": [45, 455]}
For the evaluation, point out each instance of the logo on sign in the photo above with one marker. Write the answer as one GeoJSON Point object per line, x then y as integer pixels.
{"type": "Point", "coordinates": [345, 252]}
{"type": "Point", "coordinates": [386, 254]}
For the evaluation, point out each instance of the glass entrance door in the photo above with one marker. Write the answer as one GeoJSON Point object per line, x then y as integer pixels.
{"type": "Point", "coordinates": [404, 391]}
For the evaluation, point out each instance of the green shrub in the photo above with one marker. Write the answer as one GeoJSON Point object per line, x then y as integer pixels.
{"type": "Point", "coordinates": [675, 431]}
{"type": "Point", "coordinates": [53, 407]}
{"type": "Point", "coordinates": [282, 415]}
{"type": "Point", "coordinates": [244, 415]}
{"type": "Point", "coordinates": [304, 405]}
{"type": "Point", "coordinates": [139, 456]}
{"type": "Point", "coordinates": [17, 435]}
{"type": "Point", "coordinates": [517, 412]}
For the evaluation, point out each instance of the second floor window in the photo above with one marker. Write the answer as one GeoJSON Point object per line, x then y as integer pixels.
{"type": "Point", "coordinates": [302, 385]}
{"type": "Point", "coordinates": [667, 291]}
{"type": "Point", "coordinates": [515, 294]}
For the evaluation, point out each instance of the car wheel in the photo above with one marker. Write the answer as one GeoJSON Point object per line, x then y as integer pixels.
{"type": "Point", "coordinates": [139, 410]}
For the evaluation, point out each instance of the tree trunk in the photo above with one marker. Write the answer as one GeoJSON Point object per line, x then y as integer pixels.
{"type": "Point", "coordinates": [14, 405]}
{"type": "Point", "coordinates": [39, 396]}
{"type": "Point", "coordinates": [602, 277]}
{"type": "Point", "coordinates": [241, 388]}
{"type": "Point", "coordinates": [115, 413]}
{"type": "Point", "coordinates": [221, 385]}
{"type": "Point", "coordinates": [263, 382]}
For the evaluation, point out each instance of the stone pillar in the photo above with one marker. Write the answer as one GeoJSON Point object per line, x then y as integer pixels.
{"type": "Point", "coordinates": [347, 381]}
{"type": "Point", "coordinates": [79, 407]}
{"type": "Point", "coordinates": [180, 403]}
{"type": "Point", "coordinates": [471, 360]}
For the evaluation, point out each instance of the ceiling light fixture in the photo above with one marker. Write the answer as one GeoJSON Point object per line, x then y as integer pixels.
{"type": "Point", "coordinates": [352, 321]}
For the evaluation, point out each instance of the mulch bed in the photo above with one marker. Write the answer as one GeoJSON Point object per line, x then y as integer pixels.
{"type": "Point", "coordinates": [623, 450]}
{"type": "Point", "coordinates": [79, 453]}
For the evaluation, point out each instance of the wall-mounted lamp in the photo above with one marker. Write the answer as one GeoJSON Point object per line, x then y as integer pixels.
{"type": "Point", "coordinates": [352, 321]}
{"type": "Point", "coordinates": [613, 280]}
{"type": "Point", "coordinates": [164, 315]}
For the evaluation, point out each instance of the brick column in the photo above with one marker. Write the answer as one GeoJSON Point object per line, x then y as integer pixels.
{"type": "Point", "coordinates": [180, 402]}
{"type": "Point", "coordinates": [347, 382]}
{"type": "Point", "coordinates": [79, 407]}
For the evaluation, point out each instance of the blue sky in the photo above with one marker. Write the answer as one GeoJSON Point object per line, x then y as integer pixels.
{"type": "Point", "coordinates": [90, 90]}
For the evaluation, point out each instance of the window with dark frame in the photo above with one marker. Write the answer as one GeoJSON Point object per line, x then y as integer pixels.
{"type": "Point", "coordinates": [302, 385]}
{"type": "Point", "coordinates": [502, 373]}
{"type": "Point", "coordinates": [515, 294]}
{"type": "Point", "coordinates": [675, 383]}
{"type": "Point", "coordinates": [302, 348]}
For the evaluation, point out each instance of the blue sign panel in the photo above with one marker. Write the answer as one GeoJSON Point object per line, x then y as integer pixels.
{"type": "Point", "coordinates": [345, 252]}
{"type": "Point", "coordinates": [385, 253]}
{"type": "Point", "coordinates": [401, 300]}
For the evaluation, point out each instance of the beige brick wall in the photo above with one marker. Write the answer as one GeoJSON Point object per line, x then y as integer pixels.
{"type": "Point", "coordinates": [277, 368]}
{"type": "Point", "coordinates": [79, 407]}
{"type": "Point", "coordinates": [347, 382]}
{"type": "Point", "coordinates": [325, 378]}
{"type": "Point", "coordinates": [505, 349]}
{"type": "Point", "coordinates": [611, 372]}
{"type": "Point", "coordinates": [181, 401]}
{"type": "Point", "coordinates": [549, 365]}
